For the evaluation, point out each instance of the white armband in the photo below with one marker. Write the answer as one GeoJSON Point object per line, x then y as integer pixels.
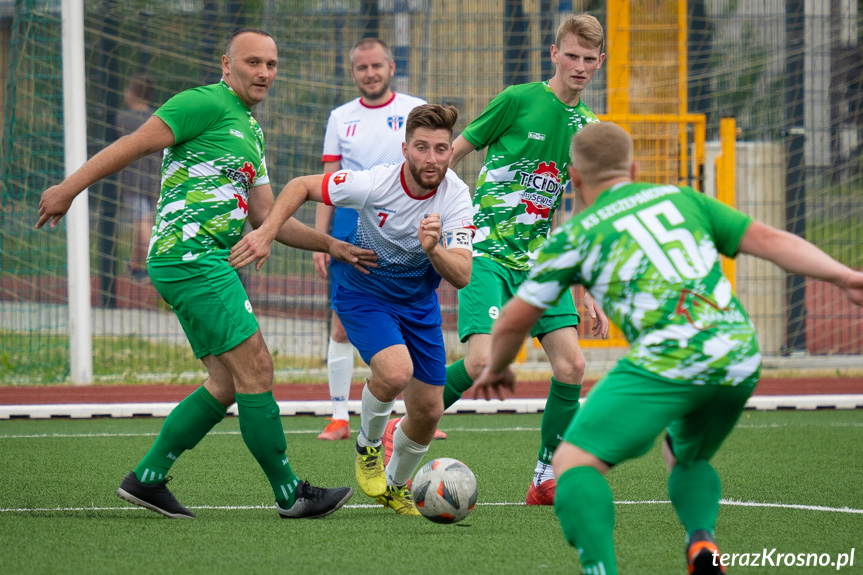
{"type": "Point", "coordinates": [457, 238]}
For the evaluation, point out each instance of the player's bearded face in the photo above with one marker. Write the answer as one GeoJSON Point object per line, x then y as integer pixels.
{"type": "Point", "coordinates": [371, 71]}
{"type": "Point", "coordinates": [428, 155]}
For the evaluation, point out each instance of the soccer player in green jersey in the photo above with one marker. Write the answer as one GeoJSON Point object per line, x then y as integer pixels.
{"type": "Point", "coordinates": [650, 253]}
{"type": "Point", "coordinates": [214, 178]}
{"type": "Point", "coordinates": [528, 129]}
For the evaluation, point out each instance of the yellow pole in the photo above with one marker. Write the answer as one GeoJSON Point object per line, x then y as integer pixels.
{"type": "Point", "coordinates": [725, 180]}
{"type": "Point", "coordinates": [618, 56]}
{"type": "Point", "coordinates": [682, 88]}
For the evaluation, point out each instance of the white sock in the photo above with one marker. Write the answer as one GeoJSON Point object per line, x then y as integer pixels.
{"type": "Point", "coordinates": [406, 457]}
{"type": "Point", "coordinates": [543, 472]}
{"type": "Point", "coordinates": [373, 419]}
{"type": "Point", "coordinates": [340, 369]}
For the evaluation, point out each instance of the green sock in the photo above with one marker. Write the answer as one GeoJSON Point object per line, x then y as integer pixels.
{"type": "Point", "coordinates": [560, 408]}
{"type": "Point", "coordinates": [694, 491]}
{"type": "Point", "coordinates": [184, 428]}
{"type": "Point", "coordinates": [585, 508]}
{"type": "Point", "coordinates": [457, 382]}
{"type": "Point", "coordinates": [261, 426]}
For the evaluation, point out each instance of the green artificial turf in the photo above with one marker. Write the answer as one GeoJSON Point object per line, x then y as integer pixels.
{"type": "Point", "coordinates": [59, 512]}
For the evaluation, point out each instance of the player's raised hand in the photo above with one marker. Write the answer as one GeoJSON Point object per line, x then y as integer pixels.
{"type": "Point", "coordinates": [53, 205]}
{"type": "Point", "coordinates": [253, 246]}
{"type": "Point", "coordinates": [497, 382]}
{"type": "Point", "coordinates": [429, 232]}
{"type": "Point", "coordinates": [361, 259]}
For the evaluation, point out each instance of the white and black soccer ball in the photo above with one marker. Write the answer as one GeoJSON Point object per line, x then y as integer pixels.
{"type": "Point", "coordinates": [444, 490]}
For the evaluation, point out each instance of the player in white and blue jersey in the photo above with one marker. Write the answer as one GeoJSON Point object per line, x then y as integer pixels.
{"type": "Point", "coordinates": [361, 134]}
{"type": "Point", "coordinates": [417, 217]}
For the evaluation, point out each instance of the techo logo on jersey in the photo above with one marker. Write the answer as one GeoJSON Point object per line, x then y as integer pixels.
{"type": "Point", "coordinates": [243, 179]}
{"type": "Point", "coordinates": [542, 187]}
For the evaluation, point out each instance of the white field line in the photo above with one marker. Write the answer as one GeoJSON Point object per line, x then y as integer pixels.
{"type": "Point", "coordinates": [448, 429]}
{"type": "Point", "coordinates": [729, 502]}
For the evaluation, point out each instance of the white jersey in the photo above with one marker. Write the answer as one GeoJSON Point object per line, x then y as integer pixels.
{"type": "Point", "coordinates": [362, 137]}
{"type": "Point", "coordinates": [388, 222]}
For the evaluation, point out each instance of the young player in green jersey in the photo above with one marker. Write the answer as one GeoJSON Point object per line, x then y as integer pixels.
{"type": "Point", "coordinates": [650, 254]}
{"type": "Point", "coordinates": [528, 129]}
{"type": "Point", "coordinates": [214, 177]}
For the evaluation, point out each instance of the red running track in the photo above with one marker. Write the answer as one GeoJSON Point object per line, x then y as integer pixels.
{"type": "Point", "coordinates": [61, 394]}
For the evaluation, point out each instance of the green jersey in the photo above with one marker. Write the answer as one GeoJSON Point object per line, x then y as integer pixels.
{"type": "Point", "coordinates": [528, 131]}
{"type": "Point", "coordinates": [650, 255]}
{"type": "Point", "coordinates": [207, 174]}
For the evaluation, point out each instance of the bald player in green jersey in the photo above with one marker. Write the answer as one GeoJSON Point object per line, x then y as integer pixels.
{"type": "Point", "coordinates": [527, 130]}
{"type": "Point", "coordinates": [649, 253]}
{"type": "Point", "coordinates": [214, 179]}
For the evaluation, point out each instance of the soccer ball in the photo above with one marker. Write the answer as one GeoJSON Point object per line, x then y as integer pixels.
{"type": "Point", "coordinates": [444, 490]}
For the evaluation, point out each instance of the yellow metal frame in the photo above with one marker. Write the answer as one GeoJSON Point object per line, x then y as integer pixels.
{"type": "Point", "coordinates": [692, 133]}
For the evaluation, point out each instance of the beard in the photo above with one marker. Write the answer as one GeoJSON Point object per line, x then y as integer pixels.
{"type": "Point", "coordinates": [422, 180]}
{"type": "Point", "coordinates": [369, 95]}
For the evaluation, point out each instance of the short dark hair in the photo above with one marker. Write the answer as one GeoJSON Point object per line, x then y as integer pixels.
{"type": "Point", "coordinates": [431, 116]}
{"type": "Point", "coordinates": [142, 87]}
{"type": "Point", "coordinates": [230, 42]}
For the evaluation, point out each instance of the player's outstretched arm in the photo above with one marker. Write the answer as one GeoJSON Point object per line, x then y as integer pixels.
{"type": "Point", "coordinates": [152, 136]}
{"type": "Point", "coordinates": [255, 246]}
{"type": "Point", "coordinates": [507, 336]}
{"type": "Point", "coordinates": [798, 256]}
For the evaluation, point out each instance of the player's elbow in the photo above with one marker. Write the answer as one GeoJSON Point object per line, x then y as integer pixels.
{"type": "Point", "coordinates": [461, 279]}
{"type": "Point", "coordinates": [256, 217]}
{"type": "Point", "coordinates": [460, 282]}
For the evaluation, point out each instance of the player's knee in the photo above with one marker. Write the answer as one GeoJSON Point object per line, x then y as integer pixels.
{"type": "Point", "coordinates": [570, 369]}
{"type": "Point", "coordinates": [474, 364]}
{"type": "Point", "coordinates": [392, 383]}
{"type": "Point", "coordinates": [337, 331]}
{"type": "Point", "coordinates": [427, 415]}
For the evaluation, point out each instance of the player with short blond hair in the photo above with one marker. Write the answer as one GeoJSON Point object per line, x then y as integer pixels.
{"type": "Point", "coordinates": [527, 130]}
{"type": "Point", "coordinates": [650, 254]}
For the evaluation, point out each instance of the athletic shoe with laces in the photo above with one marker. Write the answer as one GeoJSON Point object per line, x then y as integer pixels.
{"type": "Point", "coordinates": [370, 471]}
{"type": "Point", "coordinates": [336, 430]}
{"type": "Point", "coordinates": [387, 440]}
{"type": "Point", "coordinates": [311, 502]}
{"type": "Point", "coordinates": [152, 496]}
{"type": "Point", "coordinates": [542, 494]}
{"type": "Point", "coordinates": [400, 499]}
{"type": "Point", "coordinates": [702, 554]}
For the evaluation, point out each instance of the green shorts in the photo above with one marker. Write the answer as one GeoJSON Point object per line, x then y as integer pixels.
{"type": "Point", "coordinates": [209, 300]}
{"type": "Point", "coordinates": [630, 407]}
{"type": "Point", "coordinates": [491, 286]}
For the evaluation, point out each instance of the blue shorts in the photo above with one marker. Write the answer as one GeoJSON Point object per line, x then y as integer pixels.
{"type": "Point", "coordinates": [373, 325]}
